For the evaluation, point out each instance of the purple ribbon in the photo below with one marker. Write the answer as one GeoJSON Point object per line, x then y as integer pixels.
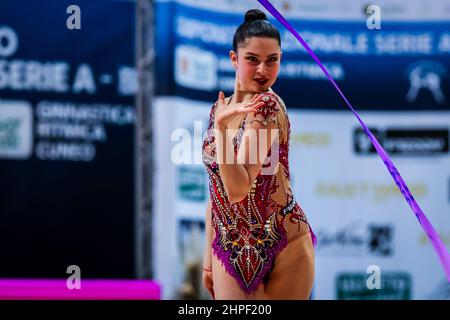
{"type": "Point", "coordinates": [436, 241]}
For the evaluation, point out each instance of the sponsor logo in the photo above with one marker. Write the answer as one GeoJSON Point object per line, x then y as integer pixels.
{"type": "Point", "coordinates": [15, 130]}
{"type": "Point", "coordinates": [403, 141]}
{"type": "Point", "coordinates": [311, 139]}
{"type": "Point", "coordinates": [195, 68]}
{"type": "Point", "coordinates": [362, 143]}
{"type": "Point", "coordinates": [192, 183]}
{"type": "Point", "coordinates": [393, 286]}
{"type": "Point", "coordinates": [380, 239]}
{"type": "Point", "coordinates": [367, 190]}
{"type": "Point", "coordinates": [425, 77]}
{"type": "Point", "coordinates": [356, 239]}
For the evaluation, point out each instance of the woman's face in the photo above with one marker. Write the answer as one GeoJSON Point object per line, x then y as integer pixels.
{"type": "Point", "coordinates": [257, 63]}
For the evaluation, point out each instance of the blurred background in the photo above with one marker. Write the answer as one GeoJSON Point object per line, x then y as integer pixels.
{"type": "Point", "coordinates": [103, 107]}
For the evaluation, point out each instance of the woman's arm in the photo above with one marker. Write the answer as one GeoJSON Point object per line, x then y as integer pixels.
{"type": "Point", "coordinates": [235, 177]}
{"type": "Point", "coordinates": [207, 279]}
{"type": "Point", "coordinates": [239, 172]}
{"type": "Point", "coordinates": [207, 258]}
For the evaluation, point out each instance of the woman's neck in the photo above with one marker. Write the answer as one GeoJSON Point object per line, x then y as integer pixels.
{"type": "Point", "coordinates": [242, 96]}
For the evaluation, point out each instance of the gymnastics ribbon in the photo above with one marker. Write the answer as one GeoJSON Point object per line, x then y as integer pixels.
{"type": "Point", "coordinates": [436, 241]}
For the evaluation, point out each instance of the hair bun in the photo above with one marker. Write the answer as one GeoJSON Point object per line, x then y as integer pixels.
{"type": "Point", "coordinates": [254, 14]}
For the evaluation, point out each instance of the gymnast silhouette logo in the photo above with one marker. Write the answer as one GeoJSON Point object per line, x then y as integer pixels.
{"type": "Point", "coordinates": [426, 76]}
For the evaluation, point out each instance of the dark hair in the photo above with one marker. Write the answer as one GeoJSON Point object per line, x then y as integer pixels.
{"type": "Point", "coordinates": [255, 25]}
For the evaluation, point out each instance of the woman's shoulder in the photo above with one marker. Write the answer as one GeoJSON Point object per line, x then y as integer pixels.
{"type": "Point", "coordinates": [281, 107]}
{"type": "Point", "coordinates": [282, 115]}
{"type": "Point", "coordinates": [276, 96]}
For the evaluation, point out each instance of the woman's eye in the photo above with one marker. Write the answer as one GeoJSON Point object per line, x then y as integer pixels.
{"type": "Point", "coordinates": [253, 59]}
{"type": "Point", "coordinates": [273, 59]}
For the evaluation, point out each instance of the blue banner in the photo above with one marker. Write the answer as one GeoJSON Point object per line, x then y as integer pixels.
{"type": "Point", "coordinates": [67, 84]}
{"type": "Point", "coordinates": [403, 66]}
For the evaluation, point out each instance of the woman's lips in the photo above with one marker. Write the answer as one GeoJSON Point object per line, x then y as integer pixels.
{"type": "Point", "coordinates": [261, 81]}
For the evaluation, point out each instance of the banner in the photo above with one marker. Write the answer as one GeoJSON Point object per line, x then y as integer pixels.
{"type": "Point", "coordinates": [397, 78]}
{"type": "Point", "coordinates": [67, 85]}
{"type": "Point", "coordinates": [404, 66]}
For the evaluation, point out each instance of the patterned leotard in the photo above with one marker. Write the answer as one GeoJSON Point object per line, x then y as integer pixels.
{"type": "Point", "coordinates": [251, 232]}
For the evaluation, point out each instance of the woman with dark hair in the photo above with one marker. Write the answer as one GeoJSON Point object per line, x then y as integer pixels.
{"type": "Point", "coordinates": [259, 244]}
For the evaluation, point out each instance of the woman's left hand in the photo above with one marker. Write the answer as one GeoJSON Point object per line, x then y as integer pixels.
{"type": "Point", "coordinates": [207, 281]}
{"type": "Point", "coordinates": [224, 114]}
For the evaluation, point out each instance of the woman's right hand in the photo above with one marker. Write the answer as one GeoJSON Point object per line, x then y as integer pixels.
{"type": "Point", "coordinates": [225, 114]}
{"type": "Point", "coordinates": [208, 282]}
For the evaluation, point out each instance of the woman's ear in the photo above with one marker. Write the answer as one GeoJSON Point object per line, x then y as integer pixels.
{"type": "Point", "coordinates": [233, 58]}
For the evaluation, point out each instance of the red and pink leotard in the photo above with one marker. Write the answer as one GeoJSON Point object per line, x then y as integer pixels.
{"type": "Point", "coordinates": [251, 232]}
